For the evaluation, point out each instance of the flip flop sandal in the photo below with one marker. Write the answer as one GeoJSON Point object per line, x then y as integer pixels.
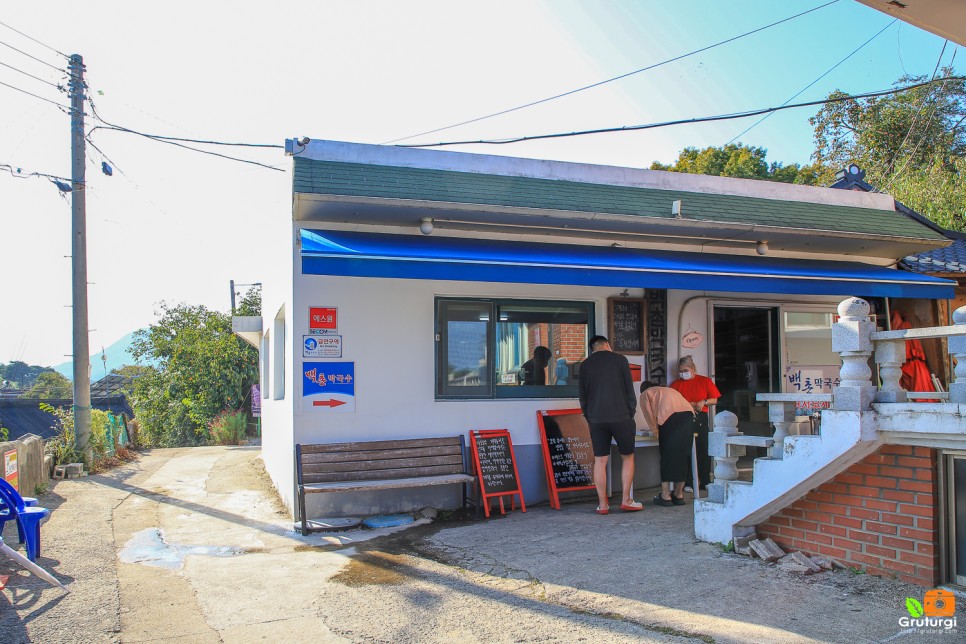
{"type": "Point", "coordinates": [678, 500]}
{"type": "Point", "coordinates": [635, 507]}
{"type": "Point", "coordinates": [660, 500]}
{"type": "Point", "coordinates": [604, 511]}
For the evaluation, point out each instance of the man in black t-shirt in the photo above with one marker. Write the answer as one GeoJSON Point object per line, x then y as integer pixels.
{"type": "Point", "coordinates": [608, 402]}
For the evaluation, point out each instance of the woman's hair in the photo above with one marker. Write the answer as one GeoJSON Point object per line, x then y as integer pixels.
{"type": "Point", "coordinates": [687, 361]}
{"type": "Point", "coordinates": [646, 384]}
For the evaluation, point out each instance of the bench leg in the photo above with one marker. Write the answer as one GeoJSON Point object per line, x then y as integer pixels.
{"type": "Point", "coordinates": [305, 525]}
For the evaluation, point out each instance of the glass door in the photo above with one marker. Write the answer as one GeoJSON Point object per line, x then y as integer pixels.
{"type": "Point", "coordinates": [745, 364]}
{"type": "Point", "coordinates": [955, 536]}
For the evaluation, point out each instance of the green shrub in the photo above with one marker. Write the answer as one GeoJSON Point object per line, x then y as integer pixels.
{"type": "Point", "coordinates": [228, 427]}
{"type": "Point", "coordinates": [62, 446]}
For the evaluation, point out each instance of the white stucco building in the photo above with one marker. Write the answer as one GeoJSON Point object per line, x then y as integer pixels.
{"type": "Point", "coordinates": [410, 285]}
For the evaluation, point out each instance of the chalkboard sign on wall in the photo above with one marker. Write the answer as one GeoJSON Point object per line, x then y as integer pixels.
{"type": "Point", "coordinates": [626, 325]}
{"type": "Point", "coordinates": [495, 467]}
{"type": "Point", "coordinates": [568, 455]}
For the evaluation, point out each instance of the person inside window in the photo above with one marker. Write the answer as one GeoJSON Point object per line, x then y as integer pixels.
{"type": "Point", "coordinates": [534, 371]}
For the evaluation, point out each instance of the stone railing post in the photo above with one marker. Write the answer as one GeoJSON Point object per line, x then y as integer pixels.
{"type": "Point", "coordinates": [781, 415]}
{"type": "Point", "coordinates": [725, 456]}
{"type": "Point", "coordinates": [890, 356]}
{"type": "Point", "coordinates": [957, 349]}
{"type": "Point", "coordinates": [852, 340]}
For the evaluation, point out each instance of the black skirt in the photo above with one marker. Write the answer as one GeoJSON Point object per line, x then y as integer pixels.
{"type": "Point", "coordinates": [674, 442]}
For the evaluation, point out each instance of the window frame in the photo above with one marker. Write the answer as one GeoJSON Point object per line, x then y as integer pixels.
{"type": "Point", "coordinates": [492, 390]}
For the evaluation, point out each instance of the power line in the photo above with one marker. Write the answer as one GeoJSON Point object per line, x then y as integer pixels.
{"type": "Point", "coordinates": [928, 123]}
{"type": "Point", "coordinates": [615, 78]}
{"type": "Point", "coordinates": [56, 51]}
{"type": "Point", "coordinates": [59, 87]}
{"type": "Point", "coordinates": [804, 89]}
{"type": "Point", "coordinates": [702, 119]}
{"type": "Point", "coordinates": [173, 141]}
{"type": "Point", "coordinates": [18, 173]}
{"type": "Point", "coordinates": [34, 57]}
{"type": "Point", "coordinates": [63, 107]}
{"type": "Point", "coordinates": [174, 138]}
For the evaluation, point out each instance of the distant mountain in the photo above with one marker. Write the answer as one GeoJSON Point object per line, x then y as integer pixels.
{"type": "Point", "coordinates": [118, 355]}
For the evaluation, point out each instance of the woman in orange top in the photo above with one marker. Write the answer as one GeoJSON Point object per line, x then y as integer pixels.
{"type": "Point", "coordinates": [700, 391]}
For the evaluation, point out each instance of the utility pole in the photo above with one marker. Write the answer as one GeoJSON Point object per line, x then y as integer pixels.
{"type": "Point", "coordinates": [231, 283]}
{"type": "Point", "coordinates": [78, 210]}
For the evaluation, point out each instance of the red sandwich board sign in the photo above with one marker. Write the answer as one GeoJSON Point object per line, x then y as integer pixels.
{"type": "Point", "coordinates": [568, 455]}
{"type": "Point", "coordinates": [495, 467]}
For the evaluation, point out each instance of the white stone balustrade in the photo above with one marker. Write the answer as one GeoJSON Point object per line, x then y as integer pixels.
{"type": "Point", "coordinates": [852, 340]}
{"type": "Point", "coordinates": [957, 349]}
{"type": "Point", "coordinates": [725, 456]}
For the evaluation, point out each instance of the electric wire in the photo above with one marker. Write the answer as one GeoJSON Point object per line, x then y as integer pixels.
{"type": "Point", "coordinates": [56, 51]}
{"type": "Point", "coordinates": [63, 107]}
{"type": "Point", "coordinates": [928, 123]}
{"type": "Point", "coordinates": [804, 89]}
{"type": "Point", "coordinates": [702, 119]}
{"type": "Point", "coordinates": [915, 119]}
{"type": "Point", "coordinates": [17, 173]}
{"type": "Point", "coordinates": [175, 138]}
{"type": "Point", "coordinates": [610, 80]}
{"type": "Point", "coordinates": [173, 141]}
{"type": "Point", "coordinates": [59, 87]}
{"type": "Point", "coordinates": [34, 57]}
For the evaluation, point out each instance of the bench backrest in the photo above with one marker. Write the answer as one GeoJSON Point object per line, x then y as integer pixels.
{"type": "Point", "coordinates": [373, 460]}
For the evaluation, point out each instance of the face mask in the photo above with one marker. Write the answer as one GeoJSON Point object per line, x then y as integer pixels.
{"type": "Point", "coordinates": [686, 375]}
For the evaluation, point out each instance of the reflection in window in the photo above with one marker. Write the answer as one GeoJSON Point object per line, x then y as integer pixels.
{"type": "Point", "coordinates": [540, 344]}
{"type": "Point", "coordinates": [511, 348]}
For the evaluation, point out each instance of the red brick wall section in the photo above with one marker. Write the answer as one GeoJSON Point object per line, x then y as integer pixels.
{"type": "Point", "coordinates": [881, 515]}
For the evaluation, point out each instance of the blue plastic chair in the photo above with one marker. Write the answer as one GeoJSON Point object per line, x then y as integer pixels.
{"type": "Point", "coordinates": [28, 518]}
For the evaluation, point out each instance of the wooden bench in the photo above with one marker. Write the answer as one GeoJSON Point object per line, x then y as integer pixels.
{"type": "Point", "coordinates": [379, 465]}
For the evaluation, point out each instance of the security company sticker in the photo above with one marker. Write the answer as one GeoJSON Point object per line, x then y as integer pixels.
{"type": "Point", "coordinates": [321, 346]}
{"type": "Point", "coordinates": [328, 386]}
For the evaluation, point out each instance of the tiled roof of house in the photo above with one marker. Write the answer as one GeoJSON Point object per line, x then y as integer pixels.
{"type": "Point", "coordinates": [951, 259]}
{"type": "Point", "coordinates": [447, 186]}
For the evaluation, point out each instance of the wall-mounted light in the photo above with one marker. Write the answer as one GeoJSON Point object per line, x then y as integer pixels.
{"type": "Point", "coordinates": [426, 225]}
{"type": "Point", "coordinates": [762, 248]}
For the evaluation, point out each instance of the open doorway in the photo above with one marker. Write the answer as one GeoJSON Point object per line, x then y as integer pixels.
{"type": "Point", "coordinates": [746, 363]}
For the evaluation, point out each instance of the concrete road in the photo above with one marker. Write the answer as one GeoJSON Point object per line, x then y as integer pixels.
{"type": "Point", "coordinates": [191, 545]}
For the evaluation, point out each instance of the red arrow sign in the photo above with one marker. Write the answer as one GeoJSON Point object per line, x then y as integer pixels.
{"type": "Point", "coordinates": [327, 403]}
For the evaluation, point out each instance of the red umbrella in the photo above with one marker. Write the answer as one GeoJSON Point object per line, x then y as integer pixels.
{"type": "Point", "coordinates": [915, 373]}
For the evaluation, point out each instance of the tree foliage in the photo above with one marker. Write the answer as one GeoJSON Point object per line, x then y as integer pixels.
{"type": "Point", "coordinates": [736, 160]}
{"type": "Point", "coordinates": [20, 375]}
{"type": "Point", "coordinates": [200, 369]}
{"type": "Point", "coordinates": [50, 384]}
{"type": "Point", "coordinates": [911, 144]}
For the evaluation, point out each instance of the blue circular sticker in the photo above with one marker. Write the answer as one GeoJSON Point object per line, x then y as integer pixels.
{"type": "Point", "coordinates": [311, 344]}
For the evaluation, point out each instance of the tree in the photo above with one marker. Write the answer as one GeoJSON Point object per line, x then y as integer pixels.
{"type": "Point", "coordinates": [50, 384]}
{"type": "Point", "coordinates": [251, 303]}
{"type": "Point", "coordinates": [736, 160]}
{"type": "Point", "coordinates": [200, 369]}
{"type": "Point", "coordinates": [911, 144]}
{"type": "Point", "coordinates": [21, 375]}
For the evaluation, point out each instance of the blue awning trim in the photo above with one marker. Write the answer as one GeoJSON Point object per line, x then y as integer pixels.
{"type": "Point", "coordinates": [485, 260]}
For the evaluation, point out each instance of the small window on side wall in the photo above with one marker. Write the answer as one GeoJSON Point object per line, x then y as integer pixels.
{"type": "Point", "coordinates": [510, 348]}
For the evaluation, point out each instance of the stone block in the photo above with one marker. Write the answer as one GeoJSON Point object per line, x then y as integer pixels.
{"type": "Point", "coordinates": [742, 544]}
{"type": "Point", "coordinates": [852, 335]}
{"type": "Point", "coordinates": [853, 398]}
{"type": "Point", "coordinates": [890, 351]}
{"type": "Point", "coordinates": [74, 470]}
{"type": "Point", "coordinates": [781, 412]}
{"type": "Point", "coordinates": [717, 445]}
{"type": "Point", "coordinates": [716, 493]}
{"type": "Point", "coordinates": [766, 549]}
{"type": "Point", "coordinates": [804, 560]}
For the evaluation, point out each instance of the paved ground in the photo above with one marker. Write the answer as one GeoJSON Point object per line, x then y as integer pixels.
{"type": "Point", "coordinates": [191, 545]}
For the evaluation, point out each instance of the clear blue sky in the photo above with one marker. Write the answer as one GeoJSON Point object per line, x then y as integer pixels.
{"type": "Point", "coordinates": [177, 226]}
